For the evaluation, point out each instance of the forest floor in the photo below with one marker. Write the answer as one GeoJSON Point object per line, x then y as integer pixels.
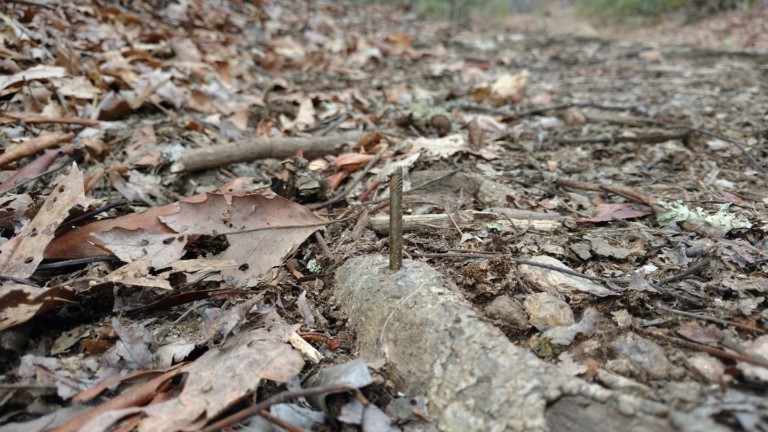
{"type": "Point", "coordinates": [733, 29]}
{"type": "Point", "coordinates": [189, 189]}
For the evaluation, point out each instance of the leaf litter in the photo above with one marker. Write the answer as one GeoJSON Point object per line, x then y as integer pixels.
{"type": "Point", "coordinates": [220, 178]}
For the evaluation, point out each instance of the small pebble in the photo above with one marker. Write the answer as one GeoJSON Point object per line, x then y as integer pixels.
{"type": "Point", "coordinates": [506, 310]}
{"type": "Point", "coordinates": [547, 311]}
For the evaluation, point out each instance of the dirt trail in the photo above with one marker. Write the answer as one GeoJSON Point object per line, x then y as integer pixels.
{"type": "Point", "coordinates": [734, 29]}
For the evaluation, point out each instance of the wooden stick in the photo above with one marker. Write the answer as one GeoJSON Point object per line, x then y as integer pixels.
{"type": "Point", "coordinates": [396, 220]}
{"type": "Point", "coordinates": [654, 137]}
{"type": "Point", "coordinates": [34, 145]}
{"type": "Point", "coordinates": [279, 148]}
{"type": "Point", "coordinates": [38, 119]}
{"type": "Point", "coordinates": [278, 398]}
{"type": "Point", "coordinates": [469, 219]}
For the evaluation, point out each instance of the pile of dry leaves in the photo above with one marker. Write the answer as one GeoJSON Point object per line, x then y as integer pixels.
{"type": "Point", "coordinates": [181, 179]}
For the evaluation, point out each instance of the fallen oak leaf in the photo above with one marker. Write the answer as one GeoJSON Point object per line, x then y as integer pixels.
{"type": "Point", "coordinates": [20, 303]}
{"type": "Point", "coordinates": [162, 250]}
{"type": "Point", "coordinates": [20, 256]}
{"type": "Point", "coordinates": [214, 382]}
{"type": "Point", "coordinates": [134, 397]}
{"type": "Point", "coordinates": [79, 243]}
{"type": "Point", "coordinates": [261, 229]}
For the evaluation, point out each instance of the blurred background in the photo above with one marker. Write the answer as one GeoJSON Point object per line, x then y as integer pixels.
{"type": "Point", "coordinates": [712, 23]}
{"type": "Point", "coordinates": [613, 9]}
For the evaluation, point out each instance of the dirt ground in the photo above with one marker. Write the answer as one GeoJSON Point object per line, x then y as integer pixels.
{"type": "Point", "coordinates": [734, 29]}
{"type": "Point", "coordinates": [182, 180]}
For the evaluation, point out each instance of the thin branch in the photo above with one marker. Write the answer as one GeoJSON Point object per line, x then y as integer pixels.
{"type": "Point", "coordinates": [709, 318]}
{"type": "Point", "coordinates": [709, 350]}
{"type": "Point", "coordinates": [688, 272]}
{"type": "Point", "coordinates": [523, 262]}
{"type": "Point", "coordinates": [276, 399]}
{"type": "Point", "coordinates": [19, 280]}
{"type": "Point", "coordinates": [419, 186]}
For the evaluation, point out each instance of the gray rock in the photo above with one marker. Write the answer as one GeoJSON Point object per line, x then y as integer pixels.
{"type": "Point", "coordinates": [683, 395]}
{"type": "Point", "coordinates": [547, 311]}
{"type": "Point", "coordinates": [708, 367]}
{"type": "Point", "coordinates": [506, 310]}
{"type": "Point", "coordinates": [646, 357]}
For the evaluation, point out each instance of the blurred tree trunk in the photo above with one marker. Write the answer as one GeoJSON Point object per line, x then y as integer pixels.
{"type": "Point", "coordinates": [460, 16]}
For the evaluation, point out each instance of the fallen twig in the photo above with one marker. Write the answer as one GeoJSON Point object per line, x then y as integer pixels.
{"type": "Point", "coordinates": [687, 272]}
{"type": "Point", "coordinates": [419, 186]}
{"type": "Point", "coordinates": [619, 190]}
{"type": "Point", "coordinates": [279, 148]}
{"type": "Point", "coordinates": [34, 145]}
{"type": "Point", "coordinates": [709, 318]}
{"type": "Point", "coordinates": [637, 196]}
{"type": "Point", "coordinates": [37, 119]}
{"type": "Point", "coordinates": [737, 144]}
{"type": "Point", "coordinates": [654, 137]}
{"type": "Point", "coordinates": [709, 350]}
{"type": "Point", "coordinates": [276, 399]}
{"type": "Point", "coordinates": [520, 261]}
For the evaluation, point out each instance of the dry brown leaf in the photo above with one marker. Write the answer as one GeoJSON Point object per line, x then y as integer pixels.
{"type": "Point", "coordinates": [261, 229]}
{"type": "Point", "coordinates": [114, 107]}
{"type": "Point", "coordinates": [509, 88]}
{"type": "Point", "coordinates": [15, 212]}
{"type": "Point", "coordinates": [240, 119]}
{"type": "Point", "coordinates": [135, 348]}
{"type": "Point", "coordinates": [78, 87]}
{"type": "Point", "coordinates": [19, 303]}
{"type": "Point", "coordinates": [609, 211]}
{"type": "Point", "coordinates": [440, 148]}
{"type": "Point", "coordinates": [20, 255]}
{"type": "Point", "coordinates": [136, 396]}
{"type": "Point", "coordinates": [335, 179]}
{"type": "Point", "coordinates": [215, 381]}
{"type": "Point", "coordinates": [351, 162]}
{"type": "Point", "coordinates": [400, 41]}
{"type": "Point", "coordinates": [162, 249]}
{"type": "Point", "coordinates": [39, 72]}
{"type": "Point", "coordinates": [142, 139]}
{"type": "Point", "coordinates": [200, 102]}
{"type": "Point", "coordinates": [78, 243]}
{"type": "Point", "coordinates": [186, 50]}
{"type": "Point", "coordinates": [30, 170]}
